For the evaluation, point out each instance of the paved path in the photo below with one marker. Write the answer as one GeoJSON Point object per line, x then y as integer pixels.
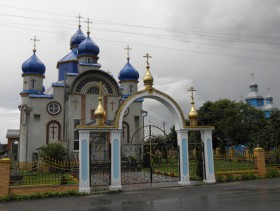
{"type": "Point", "coordinates": [247, 195]}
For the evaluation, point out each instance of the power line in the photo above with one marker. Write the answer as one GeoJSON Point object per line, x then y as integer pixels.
{"type": "Point", "coordinates": [147, 27]}
{"type": "Point", "coordinates": [215, 37]}
{"type": "Point", "coordinates": [154, 46]}
{"type": "Point", "coordinates": [149, 35]}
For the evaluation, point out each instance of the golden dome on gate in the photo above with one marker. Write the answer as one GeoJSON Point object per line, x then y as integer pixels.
{"type": "Point", "coordinates": [100, 111]}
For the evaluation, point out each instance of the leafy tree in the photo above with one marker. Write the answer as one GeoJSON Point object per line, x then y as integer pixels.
{"type": "Point", "coordinates": [53, 151]}
{"type": "Point", "coordinates": [235, 123]}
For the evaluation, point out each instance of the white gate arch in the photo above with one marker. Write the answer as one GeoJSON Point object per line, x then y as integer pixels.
{"type": "Point", "coordinates": [115, 140]}
{"type": "Point", "coordinates": [165, 99]}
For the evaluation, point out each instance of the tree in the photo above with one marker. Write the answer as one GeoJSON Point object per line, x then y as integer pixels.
{"type": "Point", "coordinates": [53, 151]}
{"type": "Point", "coordinates": [235, 123]}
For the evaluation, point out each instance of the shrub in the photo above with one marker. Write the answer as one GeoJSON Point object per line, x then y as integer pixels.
{"type": "Point", "coordinates": [54, 151]}
{"type": "Point", "coordinates": [272, 173]}
{"type": "Point", "coordinates": [220, 178]}
{"type": "Point", "coordinates": [230, 177]}
{"type": "Point", "coordinates": [248, 176]}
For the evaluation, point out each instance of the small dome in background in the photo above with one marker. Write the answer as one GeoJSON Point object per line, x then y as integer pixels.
{"type": "Point", "coordinates": [88, 47]}
{"type": "Point", "coordinates": [33, 66]}
{"type": "Point", "coordinates": [128, 72]}
{"type": "Point", "coordinates": [77, 38]}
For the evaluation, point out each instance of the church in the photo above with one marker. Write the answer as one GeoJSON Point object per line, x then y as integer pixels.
{"type": "Point", "coordinates": [254, 98]}
{"type": "Point", "coordinates": [82, 92]}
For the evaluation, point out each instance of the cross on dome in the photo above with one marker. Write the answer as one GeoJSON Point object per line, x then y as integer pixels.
{"type": "Point", "coordinates": [191, 89]}
{"type": "Point", "coordinates": [88, 22]}
{"type": "Point", "coordinates": [128, 48]}
{"type": "Point", "coordinates": [34, 43]}
{"type": "Point", "coordinates": [79, 17]}
{"type": "Point", "coordinates": [253, 78]}
{"type": "Point", "coordinates": [100, 88]}
{"type": "Point", "coordinates": [147, 56]}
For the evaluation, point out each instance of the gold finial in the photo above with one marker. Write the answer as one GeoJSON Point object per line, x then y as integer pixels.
{"type": "Point", "coordinates": [34, 44]}
{"type": "Point", "coordinates": [88, 22]}
{"type": "Point", "coordinates": [148, 78]}
{"type": "Point", "coordinates": [193, 113]}
{"type": "Point", "coordinates": [79, 17]}
{"type": "Point", "coordinates": [128, 48]}
{"type": "Point", "coordinates": [100, 113]}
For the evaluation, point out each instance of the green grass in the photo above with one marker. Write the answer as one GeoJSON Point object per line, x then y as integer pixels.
{"type": "Point", "coordinates": [45, 179]}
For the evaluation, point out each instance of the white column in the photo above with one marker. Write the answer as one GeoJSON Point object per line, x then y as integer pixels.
{"type": "Point", "coordinates": [84, 171]}
{"type": "Point", "coordinates": [182, 138]}
{"type": "Point", "coordinates": [115, 140]}
{"type": "Point", "coordinates": [206, 136]}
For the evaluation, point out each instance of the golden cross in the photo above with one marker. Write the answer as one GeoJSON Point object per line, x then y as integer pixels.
{"type": "Point", "coordinates": [100, 88]}
{"type": "Point", "coordinates": [34, 45]}
{"type": "Point", "coordinates": [192, 90]}
{"type": "Point", "coordinates": [147, 56]}
{"type": "Point", "coordinates": [128, 48]}
{"type": "Point", "coordinates": [88, 22]}
{"type": "Point", "coordinates": [79, 17]}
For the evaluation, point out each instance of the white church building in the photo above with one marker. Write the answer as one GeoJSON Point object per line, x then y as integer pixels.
{"type": "Point", "coordinates": [52, 115]}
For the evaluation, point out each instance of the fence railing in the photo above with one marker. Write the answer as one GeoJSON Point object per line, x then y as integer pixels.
{"type": "Point", "coordinates": [272, 158]}
{"type": "Point", "coordinates": [49, 172]}
{"type": "Point", "coordinates": [234, 163]}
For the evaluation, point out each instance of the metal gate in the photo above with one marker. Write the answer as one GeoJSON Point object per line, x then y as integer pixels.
{"type": "Point", "coordinates": [196, 161]}
{"type": "Point", "coordinates": [100, 160]}
{"type": "Point", "coordinates": [153, 159]}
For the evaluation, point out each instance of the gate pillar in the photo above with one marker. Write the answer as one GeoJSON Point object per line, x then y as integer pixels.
{"type": "Point", "coordinates": [115, 140]}
{"type": "Point", "coordinates": [84, 174]}
{"type": "Point", "coordinates": [182, 139]}
{"type": "Point", "coordinates": [206, 136]}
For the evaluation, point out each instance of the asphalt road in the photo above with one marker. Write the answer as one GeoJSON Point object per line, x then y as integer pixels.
{"type": "Point", "coordinates": [247, 195]}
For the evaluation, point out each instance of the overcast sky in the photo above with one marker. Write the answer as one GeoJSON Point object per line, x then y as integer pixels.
{"type": "Point", "coordinates": [213, 45]}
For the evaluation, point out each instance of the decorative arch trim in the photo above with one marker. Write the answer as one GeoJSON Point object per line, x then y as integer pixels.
{"type": "Point", "coordinates": [86, 82]}
{"type": "Point", "coordinates": [165, 99]}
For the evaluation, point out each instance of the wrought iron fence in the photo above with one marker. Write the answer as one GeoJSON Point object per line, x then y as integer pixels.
{"type": "Point", "coordinates": [236, 162]}
{"type": "Point", "coordinates": [272, 158]}
{"type": "Point", "coordinates": [47, 172]}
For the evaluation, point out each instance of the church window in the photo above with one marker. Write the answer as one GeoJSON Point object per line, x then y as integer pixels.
{"type": "Point", "coordinates": [53, 108]}
{"type": "Point", "coordinates": [130, 88]}
{"type": "Point", "coordinates": [36, 117]}
{"type": "Point", "coordinates": [125, 132]}
{"type": "Point", "coordinates": [93, 90]}
{"type": "Point", "coordinates": [92, 81]}
{"type": "Point", "coordinates": [76, 134]}
{"type": "Point", "coordinates": [88, 60]}
{"type": "Point", "coordinates": [33, 84]}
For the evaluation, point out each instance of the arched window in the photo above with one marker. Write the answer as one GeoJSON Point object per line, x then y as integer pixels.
{"type": "Point", "coordinates": [88, 60]}
{"type": "Point", "coordinates": [125, 132]}
{"type": "Point", "coordinates": [130, 88]}
{"type": "Point", "coordinates": [33, 83]}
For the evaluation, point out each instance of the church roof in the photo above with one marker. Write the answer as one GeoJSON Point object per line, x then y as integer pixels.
{"type": "Point", "coordinates": [70, 56]}
{"type": "Point", "coordinates": [128, 72]}
{"type": "Point", "coordinates": [33, 66]}
{"type": "Point", "coordinates": [88, 46]}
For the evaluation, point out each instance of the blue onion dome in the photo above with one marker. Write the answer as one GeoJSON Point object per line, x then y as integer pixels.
{"type": "Point", "coordinates": [77, 38]}
{"type": "Point", "coordinates": [88, 47]}
{"type": "Point", "coordinates": [128, 72]}
{"type": "Point", "coordinates": [33, 65]}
